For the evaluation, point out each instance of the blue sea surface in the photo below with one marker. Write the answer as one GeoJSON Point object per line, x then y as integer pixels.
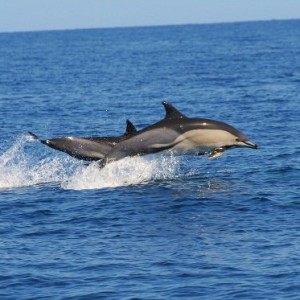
{"type": "Point", "coordinates": [153, 227]}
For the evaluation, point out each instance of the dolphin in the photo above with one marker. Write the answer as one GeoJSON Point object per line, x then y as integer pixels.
{"type": "Point", "coordinates": [181, 135]}
{"type": "Point", "coordinates": [87, 148]}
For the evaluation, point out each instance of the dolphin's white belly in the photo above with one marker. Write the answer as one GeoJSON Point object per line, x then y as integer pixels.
{"type": "Point", "coordinates": [200, 141]}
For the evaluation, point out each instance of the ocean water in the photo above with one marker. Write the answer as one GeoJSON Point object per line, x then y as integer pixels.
{"type": "Point", "coordinates": [154, 227]}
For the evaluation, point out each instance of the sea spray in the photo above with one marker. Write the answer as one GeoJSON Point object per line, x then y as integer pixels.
{"type": "Point", "coordinates": [128, 171]}
{"type": "Point", "coordinates": [13, 165]}
{"type": "Point", "coordinates": [19, 168]}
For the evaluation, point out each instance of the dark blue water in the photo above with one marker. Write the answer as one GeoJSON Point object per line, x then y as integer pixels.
{"type": "Point", "coordinates": [155, 227]}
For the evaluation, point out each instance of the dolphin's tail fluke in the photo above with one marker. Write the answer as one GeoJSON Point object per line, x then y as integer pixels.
{"type": "Point", "coordinates": [35, 137]}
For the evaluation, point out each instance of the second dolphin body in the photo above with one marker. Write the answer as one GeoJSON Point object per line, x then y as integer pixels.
{"type": "Point", "coordinates": [87, 148]}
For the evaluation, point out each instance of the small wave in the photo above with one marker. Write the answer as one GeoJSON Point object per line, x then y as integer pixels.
{"type": "Point", "coordinates": [19, 169]}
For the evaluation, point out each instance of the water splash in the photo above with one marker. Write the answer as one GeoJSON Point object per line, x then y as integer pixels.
{"type": "Point", "coordinates": [128, 171]}
{"type": "Point", "coordinates": [13, 165]}
{"type": "Point", "coordinates": [19, 169]}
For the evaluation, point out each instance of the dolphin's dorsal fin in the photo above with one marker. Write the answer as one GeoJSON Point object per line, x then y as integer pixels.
{"type": "Point", "coordinates": [172, 112]}
{"type": "Point", "coordinates": [130, 128]}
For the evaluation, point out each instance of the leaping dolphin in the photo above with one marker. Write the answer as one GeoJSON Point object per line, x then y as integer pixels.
{"type": "Point", "coordinates": [87, 148]}
{"type": "Point", "coordinates": [181, 135]}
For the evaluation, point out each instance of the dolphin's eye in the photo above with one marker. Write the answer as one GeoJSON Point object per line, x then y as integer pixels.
{"type": "Point", "coordinates": [237, 140]}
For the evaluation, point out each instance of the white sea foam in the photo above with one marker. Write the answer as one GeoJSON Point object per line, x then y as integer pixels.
{"type": "Point", "coordinates": [128, 171]}
{"type": "Point", "coordinates": [13, 165]}
{"type": "Point", "coordinates": [19, 169]}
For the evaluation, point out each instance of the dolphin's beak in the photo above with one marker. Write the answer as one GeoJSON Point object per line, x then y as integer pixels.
{"type": "Point", "coordinates": [250, 145]}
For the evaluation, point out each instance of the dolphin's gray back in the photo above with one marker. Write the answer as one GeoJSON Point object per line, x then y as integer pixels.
{"type": "Point", "coordinates": [85, 148]}
{"type": "Point", "coordinates": [181, 125]}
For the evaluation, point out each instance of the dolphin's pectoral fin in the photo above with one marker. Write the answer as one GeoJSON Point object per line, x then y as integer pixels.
{"type": "Point", "coordinates": [216, 153]}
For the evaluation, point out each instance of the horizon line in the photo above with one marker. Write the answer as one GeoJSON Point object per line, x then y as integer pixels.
{"type": "Point", "coordinates": [148, 25]}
